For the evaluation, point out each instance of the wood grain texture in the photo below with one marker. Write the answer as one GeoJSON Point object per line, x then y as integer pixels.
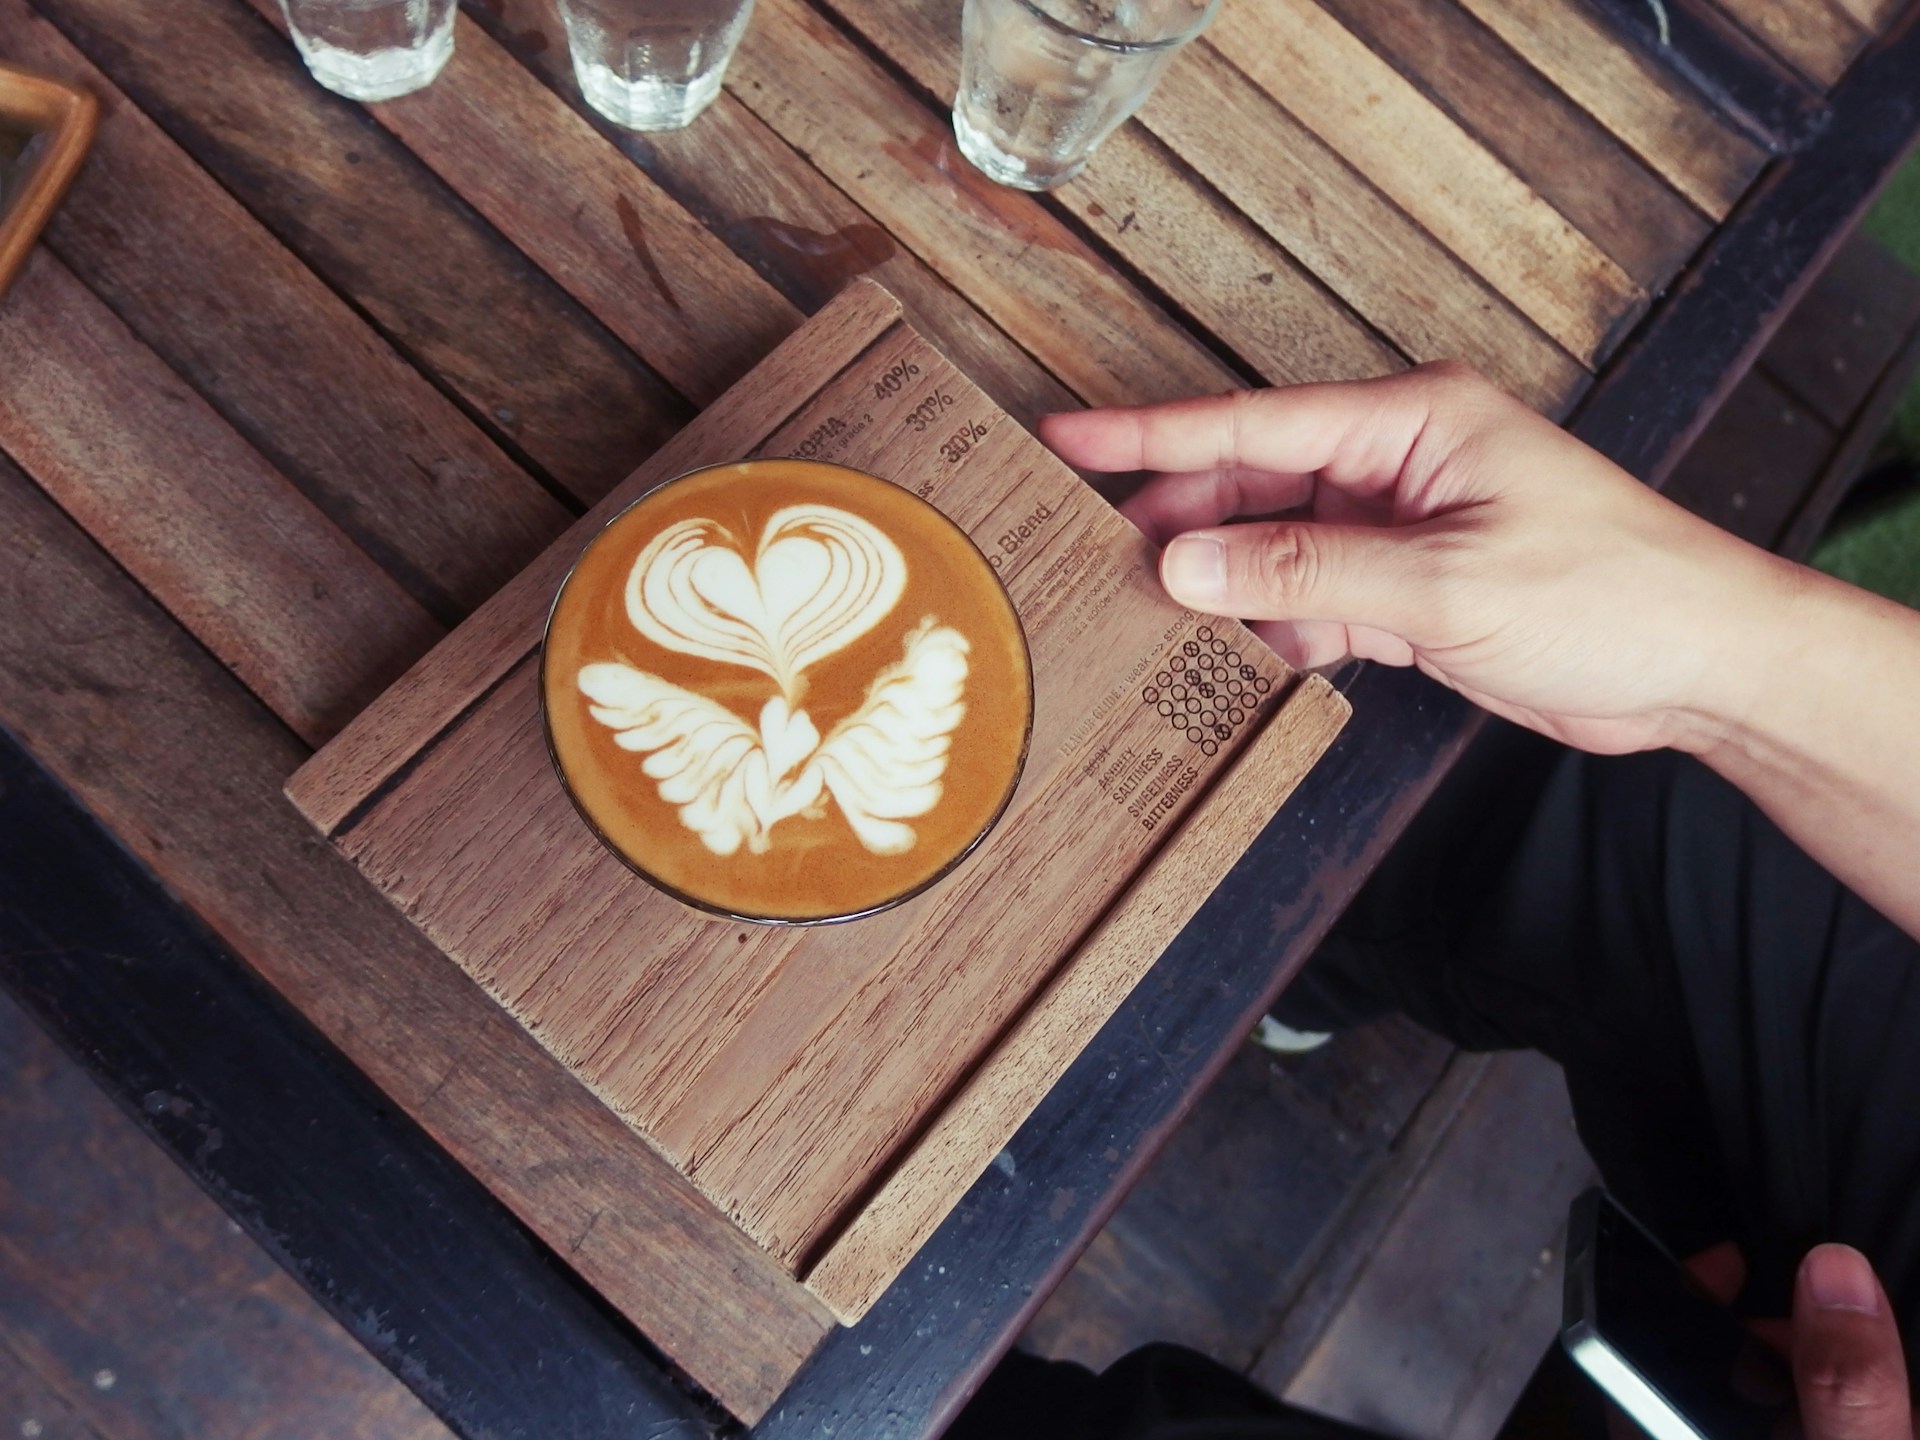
{"type": "Point", "coordinates": [187, 777]}
{"type": "Point", "coordinates": [587, 216]}
{"type": "Point", "coordinates": [30, 1404]}
{"type": "Point", "coordinates": [136, 1304]}
{"type": "Point", "coordinates": [1404, 1354]}
{"type": "Point", "coordinates": [1036, 1050]}
{"type": "Point", "coordinates": [529, 364]}
{"type": "Point", "coordinates": [1322, 73]}
{"type": "Point", "coordinates": [788, 221]}
{"type": "Point", "coordinates": [287, 363]}
{"type": "Point", "coordinates": [506, 629]}
{"type": "Point", "coordinates": [1359, 244]}
{"type": "Point", "coordinates": [1819, 38]}
{"type": "Point", "coordinates": [1035, 278]}
{"type": "Point", "coordinates": [1838, 340]}
{"type": "Point", "coordinates": [267, 582]}
{"type": "Point", "coordinates": [1139, 200]}
{"type": "Point", "coordinates": [1562, 152]}
{"type": "Point", "coordinates": [1653, 111]}
{"type": "Point", "coordinates": [726, 1045]}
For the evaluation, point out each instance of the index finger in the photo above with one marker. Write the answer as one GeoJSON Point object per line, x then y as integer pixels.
{"type": "Point", "coordinates": [1354, 432]}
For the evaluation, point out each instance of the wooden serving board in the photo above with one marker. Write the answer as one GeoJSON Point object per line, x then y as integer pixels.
{"type": "Point", "coordinates": [835, 1090]}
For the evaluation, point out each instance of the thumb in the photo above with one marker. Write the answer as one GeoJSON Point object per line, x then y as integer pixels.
{"type": "Point", "coordinates": [1847, 1363]}
{"type": "Point", "coordinates": [1290, 570]}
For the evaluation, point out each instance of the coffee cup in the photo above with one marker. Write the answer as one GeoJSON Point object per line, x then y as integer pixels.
{"type": "Point", "coordinates": [786, 691]}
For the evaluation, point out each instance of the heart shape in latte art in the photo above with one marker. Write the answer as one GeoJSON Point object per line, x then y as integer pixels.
{"type": "Point", "coordinates": [819, 579]}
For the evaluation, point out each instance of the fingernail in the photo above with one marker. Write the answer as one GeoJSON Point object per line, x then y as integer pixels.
{"type": "Point", "coordinates": [1194, 570]}
{"type": "Point", "coordinates": [1838, 1277]}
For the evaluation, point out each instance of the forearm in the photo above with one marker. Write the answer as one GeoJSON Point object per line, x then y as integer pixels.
{"type": "Point", "coordinates": [1822, 731]}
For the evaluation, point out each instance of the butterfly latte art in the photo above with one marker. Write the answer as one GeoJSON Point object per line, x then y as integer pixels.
{"type": "Point", "coordinates": [798, 692]}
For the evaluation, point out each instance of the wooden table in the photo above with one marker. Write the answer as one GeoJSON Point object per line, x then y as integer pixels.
{"type": "Point", "coordinates": [295, 384]}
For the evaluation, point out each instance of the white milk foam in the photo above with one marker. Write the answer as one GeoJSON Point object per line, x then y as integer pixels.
{"type": "Point", "coordinates": [820, 578]}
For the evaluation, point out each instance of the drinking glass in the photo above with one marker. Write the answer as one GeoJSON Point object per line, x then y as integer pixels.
{"type": "Point", "coordinates": [372, 49]}
{"type": "Point", "coordinates": [1043, 82]}
{"type": "Point", "coordinates": [652, 64]}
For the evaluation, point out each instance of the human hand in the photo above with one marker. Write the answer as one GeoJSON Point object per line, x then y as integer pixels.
{"type": "Point", "coordinates": [1445, 525]}
{"type": "Point", "coordinates": [1848, 1368]}
{"type": "Point", "coordinates": [1849, 1371]}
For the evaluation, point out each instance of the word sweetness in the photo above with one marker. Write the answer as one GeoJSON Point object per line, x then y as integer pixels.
{"type": "Point", "coordinates": [1159, 796]}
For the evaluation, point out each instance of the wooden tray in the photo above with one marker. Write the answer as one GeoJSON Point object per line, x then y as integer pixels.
{"type": "Point", "coordinates": [834, 1091]}
{"type": "Point", "coordinates": [45, 129]}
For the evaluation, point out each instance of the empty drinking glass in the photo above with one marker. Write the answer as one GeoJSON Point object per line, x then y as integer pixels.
{"type": "Point", "coordinates": [1042, 82]}
{"type": "Point", "coordinates": [372, 49]}
{"type": "Point", "coordinates": [652, 64]}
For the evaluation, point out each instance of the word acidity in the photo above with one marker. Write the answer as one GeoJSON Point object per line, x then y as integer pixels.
{"type": "Point", "coordinates": [818, 578]}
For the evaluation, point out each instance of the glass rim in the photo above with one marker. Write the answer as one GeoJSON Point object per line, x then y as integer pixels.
{"type": "Point", "coordinates": [1170, 42]}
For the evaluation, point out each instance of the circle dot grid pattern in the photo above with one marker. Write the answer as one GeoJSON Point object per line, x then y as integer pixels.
{"type": "Point", "coordinates": [1204, 691]}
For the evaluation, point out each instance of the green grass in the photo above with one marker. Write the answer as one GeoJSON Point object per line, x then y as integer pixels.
{"type": "Point", "coordinates": [1880, 550]}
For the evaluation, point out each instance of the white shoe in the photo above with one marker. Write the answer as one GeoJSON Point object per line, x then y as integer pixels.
{"type": "Point", "coordinates": [1271, 1035]}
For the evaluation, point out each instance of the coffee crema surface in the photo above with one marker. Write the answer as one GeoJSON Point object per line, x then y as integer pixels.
{"type": "Point", "coordinates": [787, 691]}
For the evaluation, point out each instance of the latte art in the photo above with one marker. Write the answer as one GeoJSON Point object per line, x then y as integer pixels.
{"type": "Point", "coordinates": [787, 691]}
{"type": "Point", "coordinates": [881, 765]}
{"type": "Point", "coordinates": [820, 579]}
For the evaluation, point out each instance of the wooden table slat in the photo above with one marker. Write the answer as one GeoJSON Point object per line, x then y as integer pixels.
{"type": "Point", "coordinates": [787, 220]}
{"type": "Point", "coordinates": [1341, 233]}
{"type": "Point", "coordinates": [1562, 152]}
{"type": "Point", "coordinates": [1361, 245]}
{"type": "Point", "coordinates": [1033, 276]}
{"type": "Point", "coordinates": [303, 379]}
{"type": "Point", "coordinates": [1819, 38]}
{"type": "Point", "coordinates": [189, 779]}
{"type": "Point", "coordinates": [528, 363]}
{"type": "Point", "coordinates": [251, 567]}
{"type": "Point", "coordinates": [1653, 112]}
{"type": "Point", "coordinates": [619, 244]}
{"type": "Point", "coordinates": [1140, 201]}
{"type": "Point", "coordinates": [1313, 66]}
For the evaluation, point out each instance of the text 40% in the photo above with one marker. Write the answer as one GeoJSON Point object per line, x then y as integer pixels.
{"type": "Point", "coordinates": [889, 384]}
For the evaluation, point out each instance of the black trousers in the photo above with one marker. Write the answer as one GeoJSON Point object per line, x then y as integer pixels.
{"type": "Point", "coordinates": [1740, 1033]}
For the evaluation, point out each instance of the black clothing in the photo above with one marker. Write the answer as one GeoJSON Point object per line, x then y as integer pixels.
{"type": "Point", "coordinates": [1740, 1035]}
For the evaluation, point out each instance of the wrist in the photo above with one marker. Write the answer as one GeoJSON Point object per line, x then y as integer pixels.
{"type": "Point", "coordinates": [1772, 637]}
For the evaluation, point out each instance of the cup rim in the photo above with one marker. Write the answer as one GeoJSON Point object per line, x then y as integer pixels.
{"type": "Point", "coordinates": [1127, 47]}
{"type": "Point", "coordinates": [709, 907]}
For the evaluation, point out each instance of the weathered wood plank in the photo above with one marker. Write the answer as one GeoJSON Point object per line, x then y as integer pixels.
{"type": "Point", "coordinates": [148, 1311]}
{"type": "Point", "coordinates": [1834, 346]}
{"type": "Point", "coordinates": [31, 1405]}
{"type": "Point", "coordinates": [248, 564]}
{"type": "Point", "coordinates": [188, 778]}
{"type": "Point", "coordinates": [1818, 38]}
{"type": "Point", "coordinates": [506, 629]}
{"type": "Point", "coordinates": [1365, 111]}
{"type": "Point", "coordinates": [1221, 270]}
{"type": "Point", "coordinates": [1467, 1247]}
{"type": "Point", "coordinates": [1037, 1049]}
{"type": "Point", "coordinates": [1033, 276]}
{"type": "Point", "coordinates": [1562, 152]}
{"type": "Point", "coordinates": [785, 219]}
{"type": "Point", "coordinates": [529, 363]}
{"type": "Point", "coordinates": [1653, 111]}
{"type": "Point", "coordinates": [1358, 243]}
{"type": "Point", "coordinates": [614, 240]}
{"type": "Point", "coordinates": [282, 359]}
